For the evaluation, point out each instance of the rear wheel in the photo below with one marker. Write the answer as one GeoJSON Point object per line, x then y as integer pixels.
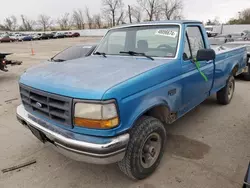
{"type": "Point", "coordinates": [246, 75]}
{"type": "Point", "coordinates": [145, 148]}
{"type": "Point", "coordinates": [225, 95]}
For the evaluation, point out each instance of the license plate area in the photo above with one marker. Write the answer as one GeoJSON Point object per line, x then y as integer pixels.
{"type": "Point", "coordinates": [38, 134]}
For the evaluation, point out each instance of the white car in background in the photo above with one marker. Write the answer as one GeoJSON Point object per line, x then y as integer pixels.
{"type": "Point", "coordinates": [15, 36]}
{"type": "Point", "coordinates": [210, 31]}
{"type": "Point", "coordinates": [20, 37]}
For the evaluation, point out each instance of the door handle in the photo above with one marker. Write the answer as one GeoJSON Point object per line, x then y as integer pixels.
{"type": "Point", "coordinates": [210, 61]}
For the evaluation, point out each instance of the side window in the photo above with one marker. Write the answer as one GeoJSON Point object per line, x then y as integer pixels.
{"type": "Point", "coordinates": [195, 39]}
{"type": "Point", "coordinates": [187, 53]}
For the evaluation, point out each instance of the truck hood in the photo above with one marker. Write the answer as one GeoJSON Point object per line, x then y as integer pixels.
{"type": "Point", "coordinates": [86, 78]}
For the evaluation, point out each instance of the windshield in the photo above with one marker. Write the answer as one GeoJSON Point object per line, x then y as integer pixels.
{"type": "Point", "coordinates": [73, 52]}
{"type": "Point", "coordinates": [155, 41]}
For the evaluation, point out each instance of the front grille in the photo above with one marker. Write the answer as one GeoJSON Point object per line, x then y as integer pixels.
{"type": "Point", "coordinates": [53, 107]}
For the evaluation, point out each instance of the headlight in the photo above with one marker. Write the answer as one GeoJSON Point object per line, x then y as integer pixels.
{"type": "Point", "coordinates": [99, 116]}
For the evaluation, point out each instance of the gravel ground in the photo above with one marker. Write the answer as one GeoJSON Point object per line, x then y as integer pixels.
{"type": "Point", "coordinates": [209, 147]}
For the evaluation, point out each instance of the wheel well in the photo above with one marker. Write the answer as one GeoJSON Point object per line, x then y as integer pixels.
{"type": "Point", "coordinates": [235, 70]}
{"type": "Point", "coordinates": [160, 112]}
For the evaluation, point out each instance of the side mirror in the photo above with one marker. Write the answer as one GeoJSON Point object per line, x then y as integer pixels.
{"type": "Point", "coordinates": [205, 55]}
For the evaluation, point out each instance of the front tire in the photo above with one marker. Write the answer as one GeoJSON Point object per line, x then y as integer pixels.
{"type": "Point", "coordinates": [145, 148]}
{"type": "Point", "coordinates": [225, 95]}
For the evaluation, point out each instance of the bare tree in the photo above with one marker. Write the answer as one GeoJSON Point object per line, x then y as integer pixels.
{"type": "Point", "coordinates": [10, 23]}
{"type": "Point", "coordinates": [121, 18]}
{"type": "Point", "coordinates": [129, 14]}
{"type": "Point", "coordinates": [136, 13]}
{"type": "Point", "coordinates": [172, 9]}
{"type": "Point", "coordinates": [151, 7]}
{"type": "Point", "coordinates": [44, 21]}
{"type": "Point", "coordinates": [89, 17]}
{"type": "Point", "coordinates": [97, 20]}
{"type": "Point", "coordinates": [108, 20]}
{"type": "Point", "coordinates": [110, 9]}
{"type": "Point", "coordinates": [64, 22]}
{"type": "Point", "coordinates": [2, 27]}
{"type": "Point", "coordinates": [27, 24]}
{"type": "Point", "coordinates": [78, 19]}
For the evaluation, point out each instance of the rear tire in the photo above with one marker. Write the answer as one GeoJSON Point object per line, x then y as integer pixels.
{"type": "Point", "coordinates": [225, 95]}
{"type": "Point", "coordinates": [246, 75]}
{"type": "Point", "coordinates": [145, 148]}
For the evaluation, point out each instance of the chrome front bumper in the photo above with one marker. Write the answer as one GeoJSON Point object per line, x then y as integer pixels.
{"type": "Point", "coordinates": [79, 147]}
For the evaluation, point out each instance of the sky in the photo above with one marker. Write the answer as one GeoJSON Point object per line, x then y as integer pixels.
{"type": "Point", "coordinates": [193, 9]}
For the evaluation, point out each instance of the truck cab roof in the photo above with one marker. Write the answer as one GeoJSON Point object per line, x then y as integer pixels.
{"type": "Point", "coordinates": [159, 23]}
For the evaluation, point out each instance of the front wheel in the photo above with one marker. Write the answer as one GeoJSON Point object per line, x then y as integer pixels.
{"type": "Point", "coordinates": [145, 148]}
{"type": "Point", "coordinates": [225, 95]}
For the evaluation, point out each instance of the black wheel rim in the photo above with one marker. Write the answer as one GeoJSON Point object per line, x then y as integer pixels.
{"type": "Point", "coordinates": [150, 150]}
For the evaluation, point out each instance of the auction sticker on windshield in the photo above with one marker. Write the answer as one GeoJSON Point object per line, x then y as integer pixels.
{"type": "Point", "coordinates": [166, 33]}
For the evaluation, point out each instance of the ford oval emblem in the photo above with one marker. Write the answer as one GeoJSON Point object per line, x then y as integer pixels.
{"type": "Point", "coordinates": [39, 105]}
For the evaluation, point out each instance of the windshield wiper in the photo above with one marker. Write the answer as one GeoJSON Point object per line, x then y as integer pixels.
{"type": "Point", "coordinates": [100, 53]}
{"type": "Point", "coordinates": [137, 53]}
{"type": "Point", "coordinates": [58, 60]}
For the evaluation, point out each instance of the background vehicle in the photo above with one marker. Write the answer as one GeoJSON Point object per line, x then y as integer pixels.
{"type": "Point", "coordinates": [14, 36]}
{"type": "Point", "coordinates": [27, 38]}
{"type": "Point", "coordinates": [20, 37]}
{"type": "Point", "coordinates": [247, 36]}
{"type": "Point", "coordinates": [72, 34]}
{"type": "Point", "coordinates": [6, 38]}
{"type": "Point", "coordinates": [74, 52]}
{"type": "Point", "coordinates": [112, 106]}
{"type": "Point", "coordinates": [67, 34]}
{"type": "Point", "coordinates": [237, 44]}
{"type": "Point", "coordinates": [210, 31]}
{"type": "Point", "coordinates": [4, 62]}
{"type": "Point", "coordinates": [59, 35]}
{"type": "Point", "coordinates": [224, 38]}
{"type": "Point", "coordinates": [37, 36]}
{"type": "Point", "coordinates": [76, 34]}
{"type": "Point", "coordinates": [47, 36]}
{"type": "Point", "coordinates": [238, 36]}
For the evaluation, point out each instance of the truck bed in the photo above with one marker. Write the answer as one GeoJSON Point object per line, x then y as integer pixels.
{"type": "Point", "coordinates": [226, 60]}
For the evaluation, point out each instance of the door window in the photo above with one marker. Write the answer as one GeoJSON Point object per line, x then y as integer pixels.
{"type": "Point", "coordinates": [187, 53]}
{"type": "Point", "coordinates": [195, 39]}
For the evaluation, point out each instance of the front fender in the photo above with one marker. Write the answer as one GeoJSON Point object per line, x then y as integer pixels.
{"type": "Point", "coordinates": [135, 106]}
{"type": "Point", "coordinates": [145, 106]}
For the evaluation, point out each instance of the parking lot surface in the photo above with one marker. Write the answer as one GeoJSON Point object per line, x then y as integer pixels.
{"type": "Point", "coordinates": [208, 147]}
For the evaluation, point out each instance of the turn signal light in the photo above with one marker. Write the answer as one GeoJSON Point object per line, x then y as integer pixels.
{"type": "Point", "coordinates": [96, 124]}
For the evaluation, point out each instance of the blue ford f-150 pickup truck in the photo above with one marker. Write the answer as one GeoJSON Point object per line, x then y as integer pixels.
{"type": "Point", "coordinates": [112, 106]}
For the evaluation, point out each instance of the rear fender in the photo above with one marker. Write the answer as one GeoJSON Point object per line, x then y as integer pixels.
{"type": "Point", "coordinates": [234, 70]}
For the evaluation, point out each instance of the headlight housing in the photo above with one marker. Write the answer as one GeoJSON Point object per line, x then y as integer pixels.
{"type": "Point", "coordinates": [96, 115]}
